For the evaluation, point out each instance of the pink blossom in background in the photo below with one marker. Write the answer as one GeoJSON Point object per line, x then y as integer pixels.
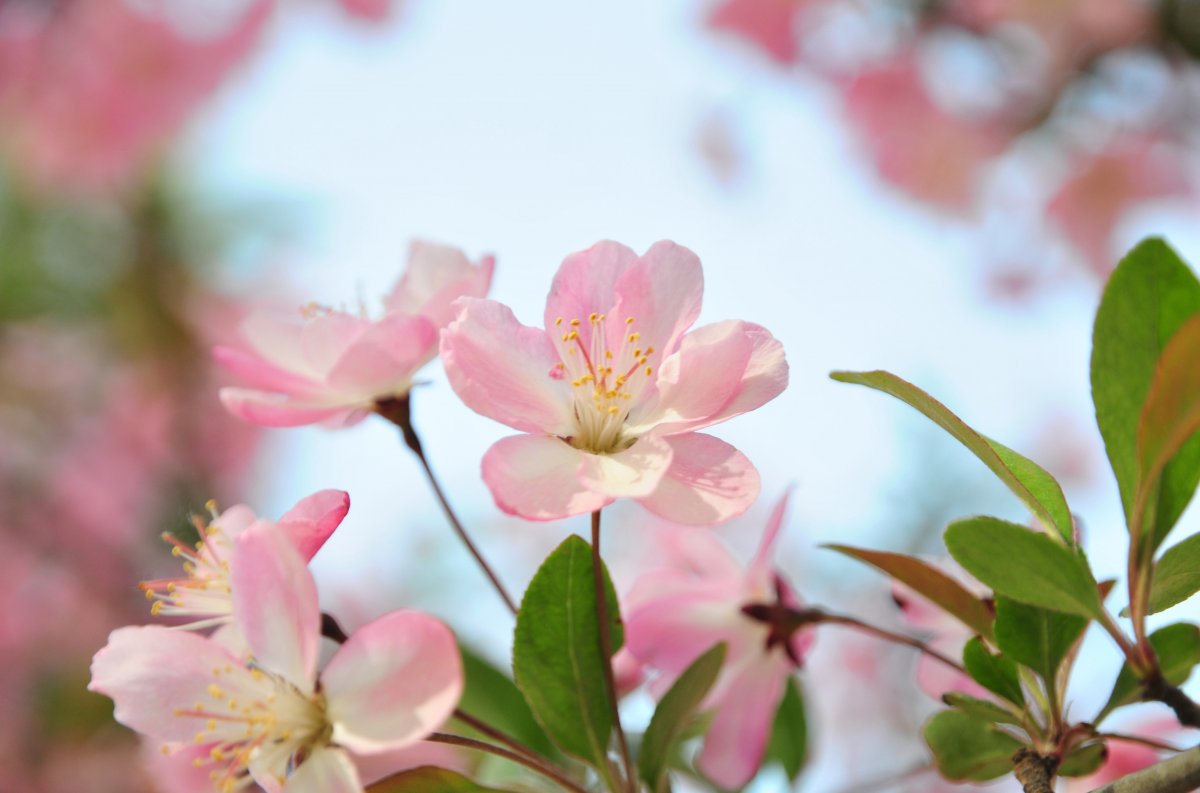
{"type": "Point", "coordinates": [332, 367]}
{"type": "Point", "coordinates": [916, 145]}
{"type": "Point", "coordinates": [370, 10]}
{"type": "Point", "coordinates": [611, 393]}
{"type": "Point", "coordinates": [388, 686]}
{"type": "Point", "coordinates": [1126, 757]}
{"type": "Point", "coordinates": [770, 25]}
{"type": "Point", "coordinates": [677, 613]}
{"type": "Point", "coordinates": [1107, 184]}
{"type": "Point", "coordinates": [97, 87]}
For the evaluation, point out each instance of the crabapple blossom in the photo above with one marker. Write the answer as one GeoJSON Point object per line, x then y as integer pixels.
{"type": "Point", "coordinates": [677, 613]}
{"type": "Point", "coordinates": [333, 367]}
{"type": "Point", "coordinates": [273, 720]}
{"type": "Point", "coordinates": [611, 394]}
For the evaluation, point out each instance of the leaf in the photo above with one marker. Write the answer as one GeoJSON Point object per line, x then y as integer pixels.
{"type": "Point", "coordinates": [1176, 576]}
{"type": "Point", "coordinates": [429, 779]}
{"type": "Point", "coordinates": [1148, 298]}
{"type": "Point", "coordinates": [994, 672]}
{"type": "Point", "coordinates": [980, 708]}
{"type": "Point", "coordinates": [1178, 649]}
{"type": "Point", "coordinates": [1170, 416]}
{"type": "Point", "coordinates": [925, 579]}
{"type": "Point", "coordinates": [674, 712]}
{"type": "Point", "coordinates": [1084, 759]}
{"type": "Point", "coordinates": [557, 661]}
{"type": "Point", "coordinates": [1024, 565]}
{"type": "Point", "coordinates": [967, 748]}
{"type": "Point", "coordinates": [490, 696]}
{"type": "Point", "coordinates": [1037, 489]}
{"type": "Point", "coordinates": [1036, 637]}
{"type": "Point", "coordinates": [789, 735]}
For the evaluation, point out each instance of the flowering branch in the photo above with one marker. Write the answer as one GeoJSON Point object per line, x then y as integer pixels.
{"type": "Point", "coordinates": [1034, 771]}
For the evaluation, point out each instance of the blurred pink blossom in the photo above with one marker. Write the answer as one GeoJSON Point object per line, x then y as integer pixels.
{"type": "Point", "coordinates": [1126, 757]}
{"type": "Point", "coordinates": [770, 25]}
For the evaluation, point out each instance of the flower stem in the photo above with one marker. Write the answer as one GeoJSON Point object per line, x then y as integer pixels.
{"type": "Point", "coordinates": [606, 651]}
{"type": "Point", "coordinates": [536, 766]}
{"type": "Point", "coordinates": [886, 635]}
{"type": "Point", "coordinates": [398, 410]}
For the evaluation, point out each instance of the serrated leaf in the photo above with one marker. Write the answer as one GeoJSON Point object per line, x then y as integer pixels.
{"type": "Point", "coordinates": [429, 779]}
{"type": "Point", "coordinates": [673, 714]}
{"type": "Point", "coordinates": [1148, 298]}
{"type": "Point", "coordinates": [980, 708]}
{"type": "Point", "coordinates": [1024, 565]}
{"type": "Point", "coordinates": [1178, 649]}
{"type": "Point", "coordinates": [1037, 489]}
{"type": "Point", "coordinates": [967, 748]}
{"type": "Point", "coordinates": [557, 661]}
{"type": "Point", "coordinates": [925, 579]}
{"type": "Point", "coordinates": [789, 734]}
{"type": "Point", "coordinates": [994, 672]}
{"type": "Point", "coordinates": [1036, 637]}
{"type": "Point", "coordinates": [1084, 759]}
{"type": "Point", "coordinates": [491, 696]}
{"type": "Point", "coordinates": [1176, 575]}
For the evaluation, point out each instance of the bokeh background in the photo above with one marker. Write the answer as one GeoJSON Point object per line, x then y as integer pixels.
{"type": "Point", "coordinates": [934, 187]}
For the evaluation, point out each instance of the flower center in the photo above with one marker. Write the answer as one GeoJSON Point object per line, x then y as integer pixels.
{"type": "Point", "coordinates": [251, 716]}
{"type": "Point", "coordinates": [204, 592]}
{"type": "Point", "coordinates": [606, 381]}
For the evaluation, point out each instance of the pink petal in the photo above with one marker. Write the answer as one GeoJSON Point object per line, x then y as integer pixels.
{"type": "Point", "coordinates": [662, 292]}
{"type": "Point", "coordinates": [235, 520]}
{"type": "Point", "coordinates": [275, 604]}
{"type": "Point", "coordinates": [537, 478]}
{"type": "Point", "coordinates": [689, 557]}
{"type": "Point", "coordinates": [378, 765]}
{"type": "Point", "coordinates": [381, 360]}
{"type": "Point", "coordinates": [741, 726]}
{"type": "Point", "coordinates": [277, 340]}
{"type": "Point", "coordinates": [670, 632]}
{"type": "Point", "coordinates": [393, 682]}
{"type": "Point", "coordinates": [152, 672]}
{"type": "Point", "coordinates": [701, 378]}
{"type": "Point", "coordinates": [326, 770]}
{"type": "Point", "coordinates": [275, 410]}
{"type": "Point", "coordinates": [436, 276]}
{"type": "Point", "coordinates": [325, 337]}
{"type": "Point", "coordinates": [501, 369]}
{"type": "Point", "coordinates": [259, 373]}
{"type": "Point", "coordinates": [585, 283]}
{"type": "Point", "coordinates": [762, 558]}
{"type": "Point", "coordinates": [709, 481]}
{"type": "Point", "coordinates": [310, 523]}
{"type": "Point", "coordinates": [633, 472]}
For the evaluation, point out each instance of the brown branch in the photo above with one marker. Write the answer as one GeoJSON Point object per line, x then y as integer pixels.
{"type": "Point", "coordinates": [1178, 774]}
{"type": "Point", "coordinates": [537, 767]}
{"type": "Point", "coordinates": [1156, 689]}
{"type": "Point", "coordinates": [1034, 772]}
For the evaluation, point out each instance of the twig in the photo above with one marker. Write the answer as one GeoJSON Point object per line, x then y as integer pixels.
{"type": "Point", "coordinates": [606, 649]}
{"type": "Point", "coordinates": [1178, 774]}
{"type": "Point", "coordinates": [1034, 772]}
{"type": "Point", "coordinates": [897, 638]}
{"type": "Point", "coordinates": [331, 629]}
{"type": "Point", "coordinates": [540, 768]}
{"type": "Point", "coordinates": [1156, 689]}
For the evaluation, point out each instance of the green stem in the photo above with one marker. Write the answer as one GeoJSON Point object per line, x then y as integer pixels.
{"type": "Point", "coordinates": [537, 767]}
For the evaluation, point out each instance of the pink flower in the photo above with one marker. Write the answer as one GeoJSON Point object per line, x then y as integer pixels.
{"type": "Point", "coordinates": [1126, 757]}
{"type": "Point", "coordinates": [678, 613]}
{"type": "Point", "coordinates": [274, 720]}
{"type": "Point", "coordinates": [768, 24]}
{"type": "Point", "coordinates": [333, 367]}
{"type": "Point", "coordinates": [611, 394]}
{"type": "Point", "coordinates": [204, 593]}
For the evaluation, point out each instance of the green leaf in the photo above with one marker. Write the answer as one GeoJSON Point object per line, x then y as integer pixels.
{"type": "Point", "coordinates": [967, 748]}
{"type": "Point", "coordinates": [1036, 637]}
{"type": "Point", "coordinates": [557, 661]}
{"type": "Point", "coordinates": [1178, 649]}
{"type": "Point", "coordinates": [1148, 298]}
{"type": "Point", "coordinates": [428, 779]}
{"type": "Point", "coordinates": [1176, 576]}
{"type": "Point", "coordinates": [491, 696]}
{"type": "Point", "coordinates": [673, 714]}
{"type": "Point", "coordinates": [1024, 565]}
{"type": "Point", "coordinates": [1084, 759]}
{"type": "Point", "coordinates": [1037, 489]}
{"type": "Point", "coordinates": [994, 672]}
{"type": "Point", "coordinates": [925, 579]}
{"type": "Point", "coordinates": [980, 708]}
{"type": "Point", "coordinates": [789, 736]}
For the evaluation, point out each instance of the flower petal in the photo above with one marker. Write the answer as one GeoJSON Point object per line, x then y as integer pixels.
{"type": "Point", "coordinates": [277, 410]}
{"type": "Point", "coordinates": [741, 726]}
{"type": "Point", "coordinates": [310, 523]}
{"type": "Point", "coordinates": [277, 340]}
{"type": "Point", "coordinates": [662, 292]}
{"type": "Point", "coordinates": [260, 373]}
{"type": "Point", "coordinates": [669, 633]}
{"type": "Point", "coordinates": [634, 472]}
{"type": "Point", "coordinates": [326, 770]}
{"type": "Point", "coordinates": [152, 672]}
{"type": "Point", "coordinates": [762, 557]}
{"type": "Point", "coordinates": [326, 336]}
{"type": "Point", "coordinates": [275, 604]}
{"type": "Point", "coordinates": [382, 359]}
{"type": "Point", "coordinates": [502, 369]}
{"type": "Point", "coordinates": [436, 276]}
{"type": "Point", "coordinates": [709, 481]}
{"type": "Point", "coordinates": [537, 478]}
{"type": "Point", "coordinates": [585, 282]}
{"type": "Point", "coordinates": [393, 682]}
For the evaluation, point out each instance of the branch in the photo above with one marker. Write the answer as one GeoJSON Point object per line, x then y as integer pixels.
{"type": "Point", "coordinates": [1158, 690]}
{"type": "Point", "coordinates": [1178, 774]}
{"type": "Point", "coordinates": [1034, 772]}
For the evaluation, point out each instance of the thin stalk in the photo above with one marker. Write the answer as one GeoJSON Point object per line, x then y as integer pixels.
{"type": "Point", "coordinates": [539, 768]}
{"type": "Point", "coordinates": [606, 650]}
{"type": "Point", "coordinates": [897, 638]}
{"type": "Point", "coordinates": [496, 734]}
{"type": "Point", "coordinates": [398, 411]}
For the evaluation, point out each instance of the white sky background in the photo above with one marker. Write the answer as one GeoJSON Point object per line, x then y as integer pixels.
{"type": "Point", "coordinates": [533, 129]}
